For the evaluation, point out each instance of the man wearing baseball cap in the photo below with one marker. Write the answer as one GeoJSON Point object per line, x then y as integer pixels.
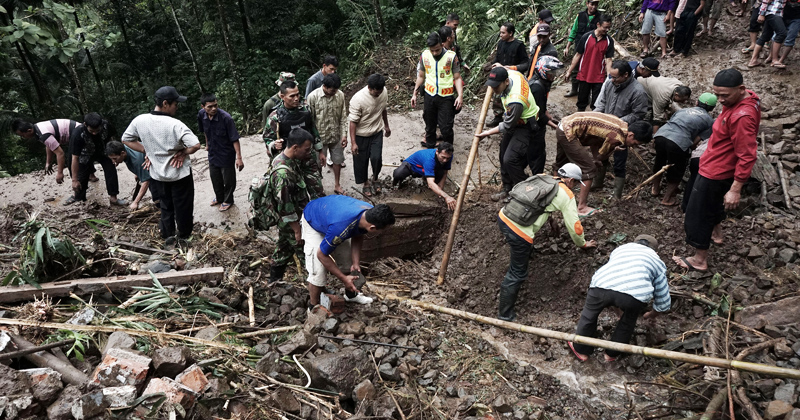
{"type": "Point", "coordinates": [555, 194]}
{"type": "Point", "coordinates": [517, 126]}
{"type": "Point", "coordinates": [167, 144]}
{"type": "Point", "coordinates": [273, 102]}
{"type": "Point", "coordinates": [676, 139]}
{"type": "Point", "coordinates": [724, 167]}
{"type": "Point", "coordinates": [543, 48]}
{"type": "Point", "coordinates": [633, 276]}
{"type": "Point", "coordinates": [545, 17]}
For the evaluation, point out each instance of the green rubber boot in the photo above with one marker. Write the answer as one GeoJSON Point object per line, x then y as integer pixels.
{"type": "Point", "coordinates": [619, 185]}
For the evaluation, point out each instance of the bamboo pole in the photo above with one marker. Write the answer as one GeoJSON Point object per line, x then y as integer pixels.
{"type": "Point", "coordinates": [100, 328]}
{"type": "Point", "coordinates": [647, 181]}
{"type": "Point", "coordinates": [462, 192]}
{"type": "Point", "coordinates": [782, 175]}
{"type": "Point", "coordinates": [20, 353]}
{"type": "Point", "coordinates": [610, 345]}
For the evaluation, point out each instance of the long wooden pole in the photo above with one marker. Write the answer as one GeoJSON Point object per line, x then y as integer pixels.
{"type": "Point", "coordinates": [611, 345]}
{"type": "Point", "coordinates": [462, 192]}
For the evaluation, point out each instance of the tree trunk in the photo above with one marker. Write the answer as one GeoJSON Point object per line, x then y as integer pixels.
{"type": "Point", "coordinates": [376, 4]}
{"type": "Point", "coordinates": [41, 91]}
{"type": "Point", "coordinates": [73, 71]}
{"type": "Point", "coordinates": [120, 16]}
{"type": "Point", "coordinates": [89, 58]}
{"type": "Point", "coordinates": [245, 24]}
{"type": "Point", "coordinates": [229, 50]}
{"type": "Point", "coordinates": [188, 48]}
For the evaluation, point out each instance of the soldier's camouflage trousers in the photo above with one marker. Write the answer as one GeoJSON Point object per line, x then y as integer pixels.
{"type": "Point", "coordinates": [286, 246]}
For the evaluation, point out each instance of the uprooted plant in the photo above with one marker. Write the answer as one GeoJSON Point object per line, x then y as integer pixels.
{"type": "Point", "coordinates": [45, 254]}
{"type": "Point", "coordinates": [158, 302]}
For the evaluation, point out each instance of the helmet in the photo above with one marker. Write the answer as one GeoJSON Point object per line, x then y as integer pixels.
{"type": "Point", "coordinates": [546, 64]}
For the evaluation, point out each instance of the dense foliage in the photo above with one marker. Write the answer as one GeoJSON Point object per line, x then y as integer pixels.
{"type": "Point", "coordinates": [64, 59]}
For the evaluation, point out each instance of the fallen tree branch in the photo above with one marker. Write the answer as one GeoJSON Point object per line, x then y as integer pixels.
{"type": "Point", "coordinates": [43, 359]}
{"type": "Point", "coordinates": [20, 353]}
{"type": "Point", "coordinates": [763, 369]}
{"type": "Point", "coordinates": [647, 181]}
{"type": "Point", "coordinates": [784, 188]}
{"type": "Point", "coordinates": [715, 405]}
{"type": "Point", "coordinates": [736, 378]}
{"type": "Point", "coordinates": [140, 333]}
{"type": "Point", "coordinates": [268, 332]}
{"type": "Point", "coordinates": [370, 342]}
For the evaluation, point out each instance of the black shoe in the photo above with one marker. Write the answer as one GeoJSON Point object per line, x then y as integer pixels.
{"type": "Point", "coordinates": [495, 122]}
{"type": "Point", "coordinates": [276, 273]}
{"type": "Point", "coordinates": [426, 145]}
{"type": "Point", "coordinates": [571, 93]}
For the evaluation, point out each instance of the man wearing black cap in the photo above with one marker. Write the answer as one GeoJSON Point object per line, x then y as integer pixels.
{"type": "Point", "coordinates": [543, 47]}
{"type": "Point", "coordinates": [645, 68]}
{"type": "Point", "coordinates": [167, 143]}
{"type": "Point", "coordinates": [724, 167]}
{"type": "Point", "coordinates": [545, 17]}
{"type": "Point", "coordinates": [633, 276]}
{"type": "Point", "coordinates": [584, 22]}
{"type": "Point", "coordinates": [518, 125]}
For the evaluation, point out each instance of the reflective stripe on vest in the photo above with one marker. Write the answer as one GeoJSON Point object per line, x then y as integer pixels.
{"type": "Point", "coordinates": [439, 74]}
{"type": "Point", "coordinates": [520, 92]}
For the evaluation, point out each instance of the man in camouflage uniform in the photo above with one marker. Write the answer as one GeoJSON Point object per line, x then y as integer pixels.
{"type": "Point", "coordinates": [288, 115]}
{"type": "Point", "coordinates": [290, 196]}
{"type": "Point", "coordinates": [273, 102]}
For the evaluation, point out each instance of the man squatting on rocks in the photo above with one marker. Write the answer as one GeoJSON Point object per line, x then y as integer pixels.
{"type": "Point", "coordinates": [633, 276]}
{"type": "Point", "coordinates": [87, 146]}
{"type": "Point", "coordinates": [518, 125]}
{"type": "Point", "coordinates": [724, 167]}
{"type": "Point", "coordinates": [519, 231]}
{"type": "Point", "coordinates": [333, 233]}
{"type": "Point", "coordinates": [224, 152]}
{"type": "Point", "coordinates": [134, 161]}
{"type": "Point", "coordinates": [167, 143]}
{"type": "Point", "coordinates": [431, 164]}
{"type": "Point", "coordinates": [440, 71]}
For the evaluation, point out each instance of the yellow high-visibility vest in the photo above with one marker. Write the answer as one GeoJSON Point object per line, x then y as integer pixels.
{"type": "Point", "coordinates": [439, 74]}
{"type": "Point", "coordinates": [520, 92]}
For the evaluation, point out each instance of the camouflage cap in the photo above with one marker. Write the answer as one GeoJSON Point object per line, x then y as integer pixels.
{"type": "Point", "coordinates": [285, 75]}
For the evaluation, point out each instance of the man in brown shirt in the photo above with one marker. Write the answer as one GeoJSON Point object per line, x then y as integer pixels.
{"type": "Point", "coordinates": [368, 123]}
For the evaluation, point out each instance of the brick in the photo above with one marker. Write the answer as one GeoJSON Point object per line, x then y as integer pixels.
{"type": "Point", "coordinates": [121, 367]}
{"type": "Point", "coordinates": [194, 379]}
{"type": "Point", "coordinates": [119, 396]}
{"type": "Point", "coordinates": [45, 383]}
{"type": "Point", "coordinates": [89, 405]}
{"type": "Point", "coordinates": [175, 392]}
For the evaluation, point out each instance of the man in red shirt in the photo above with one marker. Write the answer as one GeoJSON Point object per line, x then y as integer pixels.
{"type": "Point", "coordinates": [724, 167]}
{"type": "Point", "coordinates": [593, 54]}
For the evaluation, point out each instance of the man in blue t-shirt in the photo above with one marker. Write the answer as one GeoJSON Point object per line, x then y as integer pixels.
{"type": "Point", "coordinates": [119, 153]}
{"type": "Point", "coordinates": [333, 232]}
{"type": "Point", "coordinates": [431, 164]}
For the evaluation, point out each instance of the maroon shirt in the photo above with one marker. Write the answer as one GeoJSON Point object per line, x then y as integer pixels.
{"type": "Point", "coordinates": [592, 67]}
{"type": "Point", "coordinates": [732, 148]}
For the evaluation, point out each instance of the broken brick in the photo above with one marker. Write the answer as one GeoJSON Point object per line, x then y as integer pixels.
{"type": "Point", "coordinates": [119, 396]}
{"type": "Point", "coordinates": [174, 391]}
{"type": "Point", "coordinates": [194, 379]}
{"type": "Point", "coordinates": [89, 405]}
{"type": "Point", "coordinates": [45, 383]}
{"type": "Point", "coordinates": [121, 367]}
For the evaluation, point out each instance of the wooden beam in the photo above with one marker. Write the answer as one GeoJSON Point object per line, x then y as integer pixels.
{"type": "Point", "coordinates": [103, 284]}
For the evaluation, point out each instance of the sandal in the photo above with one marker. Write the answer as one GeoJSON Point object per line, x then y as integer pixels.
{"type": "Point", "coordinates": [581, 357]}
{"type": "Point", "coordinates": [376, 188]}
{"type": "Point", "coordinates": [779, 65]}
{"type": "Point", "coordinates": [367, 191]}
{"type": "Point", "coordinates": [225, 206]}
{"type": "Point", "coordinates": [747, 50]}
{"type": "Point", "coordinates": [70, 200]}
{"type": "Point", "coordinates": [644, 54]}
{"type": "Point", "coordinates": [214, 202]}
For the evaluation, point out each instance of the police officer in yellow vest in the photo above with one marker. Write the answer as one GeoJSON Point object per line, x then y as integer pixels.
{"type": "Point", "coordinates": [518, 126]}
{"type": "Point", "coordinates": [440, 70]}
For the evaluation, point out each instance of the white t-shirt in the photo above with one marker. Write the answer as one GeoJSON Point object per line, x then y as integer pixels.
{"type": "Point", "coordinates": [162, 136]}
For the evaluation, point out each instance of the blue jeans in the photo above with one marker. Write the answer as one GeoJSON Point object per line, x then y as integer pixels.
{"type": "Point", "coordinates": [520, 255]}
{"type": "Point", "coordinates": [792, 28]}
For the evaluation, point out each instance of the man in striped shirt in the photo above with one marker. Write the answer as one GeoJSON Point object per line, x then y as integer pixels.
{"type": "Point", "coordinates": [633, 276]}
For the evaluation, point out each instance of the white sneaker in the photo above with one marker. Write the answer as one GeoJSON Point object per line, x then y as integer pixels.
{"type": "Point", "coordinates": [360, 298]}
{"type": "Point", "coordinates": [330, 162]}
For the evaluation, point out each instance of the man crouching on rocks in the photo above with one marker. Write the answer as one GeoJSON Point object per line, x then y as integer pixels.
{"type": "Point", "coordinates": [333, 232]}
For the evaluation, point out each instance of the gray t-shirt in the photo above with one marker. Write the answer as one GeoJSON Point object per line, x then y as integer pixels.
{"type": "Point", "coordinates": [314, 82]}
{"type": "Point", "coordinates": [162, 136]}
{"type": "Point", "coordinates": [685, 125]}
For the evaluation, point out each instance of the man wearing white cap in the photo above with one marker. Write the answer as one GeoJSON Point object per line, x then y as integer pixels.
{"type": "Point", "coordinates": [531, 203]}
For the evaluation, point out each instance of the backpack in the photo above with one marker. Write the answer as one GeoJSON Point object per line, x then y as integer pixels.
{"type": "Point", "coordinates": [530, 197]}
{"type": "Point", "coordinates": [262, 204]}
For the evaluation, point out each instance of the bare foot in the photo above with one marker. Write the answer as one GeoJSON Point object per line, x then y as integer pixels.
{"type": "Point", "coordinates": [655, 191]}
{"type": "Point", "coordinates": [753, 63]}
{"type": "Point", "coordinates": [690, 263]}
{"type": "Point", "coordinates": [716, 235]}
{"type": "Point", "coordinates": [586, 211]}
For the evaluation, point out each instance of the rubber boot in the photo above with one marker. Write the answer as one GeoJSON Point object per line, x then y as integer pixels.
{"type": "Point", "coordinates": [600, 179]}
{"type": "Point", "coordinates": [508, 298]}
{"type": "Point", "coordinates": [573, 91]}
{"type": "Point", "coordinates": [619, 185]}
{"type": "Point", "coordinates": [276, 273]}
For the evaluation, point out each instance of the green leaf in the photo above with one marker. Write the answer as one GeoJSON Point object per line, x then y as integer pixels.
{"type": "Point", "coordinates": [37, 242]}
{"type": "Point", "coordinates": [3, 9]}
{"type": "Point", "coordinates": [9, 277]}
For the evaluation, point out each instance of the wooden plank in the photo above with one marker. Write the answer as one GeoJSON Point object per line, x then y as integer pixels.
{"type": "Point", "coordinates": [103, 284]}
{"type": "Point", "coordinates": [141, 249]}
{"type": "Point", "coordinates": [764, 171]}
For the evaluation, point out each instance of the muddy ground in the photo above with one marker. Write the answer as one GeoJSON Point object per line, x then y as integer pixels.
{"type": "Point", "coordinates": [458, 368]}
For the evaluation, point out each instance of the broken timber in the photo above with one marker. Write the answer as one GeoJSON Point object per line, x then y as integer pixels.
{"type": "Point", "coordinates": [768, 370]}
{"type": "Point", "coordinates": [104, 284]}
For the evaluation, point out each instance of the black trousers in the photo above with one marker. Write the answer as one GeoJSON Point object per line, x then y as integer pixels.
{"type": "Point", "coordinates": [370, 150]}
{"type": "Point", "coordinates": [109, 172]}
{"type": "Point", "coordinates": [536, 151]}
{"type": "Point", "coordinates": [596, 301]}
{"type": "Point", "coordinates": [705, 210]}
{"type": "Point", "coordinates": [514, 154]}
{"type": "Point", "coordinates": [404, 171]}
{"type": "Point", "coordinates": [223, 180]}
{"type": "Point", "coordinates": [177, 206]}
{"type": "Point", "coordinates": [441, 111]}
{"type": "Point", "coordinates": [684, 32]}
{"type": "Point", "coordinates": [585, 91]}
{"type": "Point", "coordinates": [667, 152]}
{"type": "Point", "coordinates": [694, 168]}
